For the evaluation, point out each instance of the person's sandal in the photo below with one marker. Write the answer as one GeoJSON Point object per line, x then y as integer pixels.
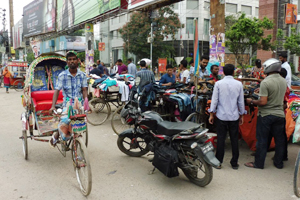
{"type": "Point", "coordinates": [219, 167]}
{"type": "Point", "coordinates": [250, 164]}
{"type": "Point", "coordinates": [53, 141]}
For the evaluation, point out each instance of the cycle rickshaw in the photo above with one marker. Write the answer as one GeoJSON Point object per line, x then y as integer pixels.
{"type": "Point", "coordinates": [38, 125]}
{"type": "Point", "coordinates": [18, 70]}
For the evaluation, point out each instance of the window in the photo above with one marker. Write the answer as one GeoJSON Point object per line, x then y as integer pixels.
{"type": "Point", "coordinates": [230, 7]}
{"type": "Point", "coordinates": [206, 5]}
{"type": "Point", "coordinates": [192, 4]}
{"type": "Point", "coordinates": [206, 27]}
{"type": "Point", "coordinates": [122, 18]}
{"type": "Point", "coordinates": [190, 25]}
{"type": "Point", "coordinates": [256, 12]}
{"type": "Point", "coordinates": [247, 10]}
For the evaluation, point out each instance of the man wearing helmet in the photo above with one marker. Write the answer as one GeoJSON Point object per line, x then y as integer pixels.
{"type": "Point", "coordinates": [271, 118]}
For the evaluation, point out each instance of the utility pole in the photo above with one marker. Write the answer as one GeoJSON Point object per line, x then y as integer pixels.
{"type": "Point", "coordinates": [151, 41]}
{"type": "Point", "coordinates": [11, 16]}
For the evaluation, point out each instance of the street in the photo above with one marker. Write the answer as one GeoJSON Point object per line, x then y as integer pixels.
{"type": "Point", "coordinates": [48, 175]}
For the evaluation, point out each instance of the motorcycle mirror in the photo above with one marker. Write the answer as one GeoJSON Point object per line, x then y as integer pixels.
{"type": "Point", "coordinates": [137, 81]}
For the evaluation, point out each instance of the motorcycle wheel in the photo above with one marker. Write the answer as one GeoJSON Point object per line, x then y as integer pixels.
{"type": "Point", "coordinates": [200, 172]}
{"type": "Point", "coordinates": [134, 147]}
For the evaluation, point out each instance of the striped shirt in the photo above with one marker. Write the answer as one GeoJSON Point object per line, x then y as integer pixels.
{"type": "Point", "coordinates": [146, 76]}
{"type": "Point", "coordinates": [70, 85]}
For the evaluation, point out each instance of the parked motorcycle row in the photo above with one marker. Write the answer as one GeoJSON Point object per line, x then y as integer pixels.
{"type": "Point", "coordinates": [183, 145]}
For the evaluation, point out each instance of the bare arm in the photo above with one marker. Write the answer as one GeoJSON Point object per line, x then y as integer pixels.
{"type": "Point", "coordinates": [54, 100]}
{"type": "Point", "coordinates": [262, 101]}
{"type": "Point", "coordinates": [84, 92]}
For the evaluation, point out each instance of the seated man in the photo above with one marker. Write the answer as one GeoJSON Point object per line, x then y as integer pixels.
{"type": "Point", "coordinates": [95, 70]}
{"type": "Point", "coordinates": [73, 83]}
{"type": "Point", "coordinates": [169, 78]}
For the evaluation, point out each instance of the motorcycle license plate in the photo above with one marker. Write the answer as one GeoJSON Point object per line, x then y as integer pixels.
{"type": "Point", "coordinates": [207, 147]}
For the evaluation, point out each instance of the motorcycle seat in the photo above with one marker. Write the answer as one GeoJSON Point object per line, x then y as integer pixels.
{"type": "Point", "coordinates": [173, 128]}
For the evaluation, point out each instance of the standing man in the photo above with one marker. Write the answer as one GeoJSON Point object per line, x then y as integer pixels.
{"type": "Point", "coordinates": [202, 71]}
{"type": "Point", "coordinates": [145, 74]}
{"type": "Point", "coordinates": [185, 72]}
{"type": "Point", "coordinates": [215, 73]}
{"type": "Point", "coordinates": [228, 103]}
{"type": "Point", "coordinates": [271, 118]}
{"type": "Point", "coordinates": [100, 67]}
{"type": "Point", "coordinates": [1, 76]}
{"type": "Point", "coordinates": [169, 78]}
{"type": "Point", "coordinates": [122, 69]}
{"type": "Point", "coordinates": [131, 67]}
{"type": "Point", "coordinates": [286, 65]}
{"type": "Point", "coordinates": [73, 83]}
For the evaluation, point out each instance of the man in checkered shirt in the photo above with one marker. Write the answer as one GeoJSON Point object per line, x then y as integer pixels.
{"type": "Point", "coordinates": [72, 82]}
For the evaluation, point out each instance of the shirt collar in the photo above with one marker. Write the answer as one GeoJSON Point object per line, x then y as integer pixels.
{"type": "Point", "coordinates": [69, 74]}
{"type": "Point", "coordinates": [228, 77]}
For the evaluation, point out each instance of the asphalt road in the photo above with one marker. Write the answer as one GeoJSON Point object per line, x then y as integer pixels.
{"type": "Point", "coordinates": [49, 175]}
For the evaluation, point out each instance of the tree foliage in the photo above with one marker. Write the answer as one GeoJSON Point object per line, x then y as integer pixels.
{"type": "Point", "coordinates": [247, 35]}
{"type": "Point", "coordinates": [291, 43]}
{"type": "Point", "coordinates": [137, 30]}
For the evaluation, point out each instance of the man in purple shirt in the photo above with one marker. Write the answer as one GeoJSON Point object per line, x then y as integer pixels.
{"type": "Point", "coordinates": [228, 102]}
{"type": "Point", "coordinates": [122, 69]}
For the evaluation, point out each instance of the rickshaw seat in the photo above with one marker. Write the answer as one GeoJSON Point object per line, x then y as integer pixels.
{"type": "Point", "coordinates": [42, 100]}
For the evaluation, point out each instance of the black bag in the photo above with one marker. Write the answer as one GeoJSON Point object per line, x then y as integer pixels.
{"type": "Point", "coordinates": [166, 160]}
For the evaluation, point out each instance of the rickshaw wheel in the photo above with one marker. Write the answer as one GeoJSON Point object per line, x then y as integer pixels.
{"type": "Point", "coordinates": [25, 145]}
{"type": "Point", "coordinates": [18, 85]}
{"type": "Point", "coordinates": [82, 166]}
{"type": "Point", "coordinates": [100, 111]}
{"type": "Point", "coordinates": [117, 123]}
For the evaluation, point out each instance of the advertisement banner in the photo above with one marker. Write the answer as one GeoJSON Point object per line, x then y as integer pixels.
{"type": "Point", "coordinates": [136, 3]}
{"type": "Point", "coordinates": [101, 46]}
{"type": "Point", "coordinates": [73, 12]}
{"type": "Point", "coordinates": [17, 34]}
{"type": "Point", "coordinates": [217, 51]}
{"type": "Point", "coordinates": [291, 14]}
{"type": "Point", "coordinates": [36, 46]}
{"type": "Point", "coordinates": [39, 17]}
{"type": "Point", "coordinates": [162, 64]}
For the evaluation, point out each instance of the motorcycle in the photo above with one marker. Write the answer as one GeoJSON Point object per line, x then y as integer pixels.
{"type": "Point", "coordinates": [183, 145]}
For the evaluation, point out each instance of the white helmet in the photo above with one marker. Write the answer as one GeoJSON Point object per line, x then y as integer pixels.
{"type": "Point", "coordinates": [272, 65]}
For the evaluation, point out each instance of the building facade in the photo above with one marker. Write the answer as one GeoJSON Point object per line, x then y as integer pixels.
{"type": "Point", "coordinates": [187, 10]}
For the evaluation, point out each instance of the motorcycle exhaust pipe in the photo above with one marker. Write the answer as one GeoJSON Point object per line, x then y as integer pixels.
{"type": "Point", "coordinates": [206, 151]}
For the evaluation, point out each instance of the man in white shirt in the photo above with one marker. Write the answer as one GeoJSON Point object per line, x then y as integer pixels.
{"type": "Point", "coordinates": [228, 104]}
{"type": "Point", "coordinates": [286, 65]}
{"type": "Point", "coordinates": [185, 72]}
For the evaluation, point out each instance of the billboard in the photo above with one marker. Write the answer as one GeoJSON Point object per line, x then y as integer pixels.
{"type": "Point", "coordinates": [39, 17]}
{"type": "Point", "coordinates": [17, 35]}
{"type": "Point", "coordinates": [291, 14]}
{"type": "Point", "coordinates": [132, 4]}
{"type": "Point", "coordinates": [73, 12]}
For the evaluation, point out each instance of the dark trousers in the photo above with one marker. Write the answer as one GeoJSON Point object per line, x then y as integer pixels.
{"type": "Point", "coordinates": [233, 128]}
{"type": "Point", "coordinates": [270, 126]}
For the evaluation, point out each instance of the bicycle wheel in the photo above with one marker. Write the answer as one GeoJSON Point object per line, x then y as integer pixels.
{"type": "Point", "coordinates": [100, 111]}
{"type": "Point", "coordinates": [18, 85]}
{"type": "Point", "coordinates": [25, 145]}
{"type": "Point", "coordinates": [118, 124]}
{"type": "Point", "coordinates": [297, 176]}
{"type": "Point", "coordinates": [82, 166]}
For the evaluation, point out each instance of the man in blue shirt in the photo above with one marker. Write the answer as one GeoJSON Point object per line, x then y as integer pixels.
{"type": "Point", "coordinates": [100, 67]}
{"type": "Point", "coordinates": [145, 74]}
{"type": "Point", "coordinates": [228, 102]}
{"type": "Point", "coordinates": [131, 67]}
{"type": "Point", "coordinates": [169, 78]}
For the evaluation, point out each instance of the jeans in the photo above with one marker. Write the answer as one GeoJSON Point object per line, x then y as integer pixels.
{"type": "Point", "coordinates": [233, 128]}
{"type": "Point", "coordinates": [267, 127]}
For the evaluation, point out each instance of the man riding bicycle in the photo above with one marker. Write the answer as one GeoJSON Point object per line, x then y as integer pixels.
{"type": "Point", "coordinates": [73, 83]}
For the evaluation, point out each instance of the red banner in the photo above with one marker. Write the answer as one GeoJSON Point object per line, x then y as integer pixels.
{"type": "Point", "coordinates": [291, 14]}
{"type": "Point", "coordinates": [162, 64]}
{"type": "Point", "coordinates": [17, 64]}
{"type": "Point", "coordinates": [101, 46]}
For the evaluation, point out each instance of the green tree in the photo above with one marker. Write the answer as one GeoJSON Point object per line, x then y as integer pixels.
{"type": "Point", "coordinates": [137, 30]}
{"type": "Point", "coordinates": [291, 43]}
{"type": "Point", "coordinates": [247, 35]}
